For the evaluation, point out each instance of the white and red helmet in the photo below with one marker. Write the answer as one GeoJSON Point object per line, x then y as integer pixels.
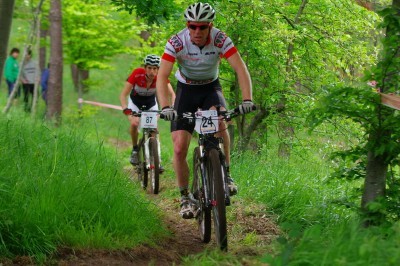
{"type": "Point", "coordinates": [200, 12]}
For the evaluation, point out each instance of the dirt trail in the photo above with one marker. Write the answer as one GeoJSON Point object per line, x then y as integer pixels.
{"type": "Point", "coordinates": [184, 241]}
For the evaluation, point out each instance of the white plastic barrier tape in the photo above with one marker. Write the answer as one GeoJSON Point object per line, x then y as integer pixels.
{"type": "Point", "coordinates": [106, 105]}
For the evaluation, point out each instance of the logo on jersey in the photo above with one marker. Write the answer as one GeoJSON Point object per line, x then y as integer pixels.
{"type": "Point", "coordinates": [220, 39]}
{"type": "Point", "coordinates": [176, 43]}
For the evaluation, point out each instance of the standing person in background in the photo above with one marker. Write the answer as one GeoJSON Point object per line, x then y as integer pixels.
{"type": "Point", "coordinates": [11, 69]}
{"type": "Point", "coordinates": [44, 80]}
{"type": "Point", "coordinates": [141, 89]}
{"type": "Point", "coordinates": [198, 50]}
{"type": "Point", "coordinates": [28, 77]}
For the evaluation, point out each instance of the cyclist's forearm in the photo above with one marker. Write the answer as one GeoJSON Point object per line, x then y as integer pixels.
{"type": "Point", "coordinates": [171, 94]}
{"type": "Point", "coordinates": [124, 95]}
{"type": "Point", "coordinates": [243, 75]}
{"type": "Point", "coordinates": [245, 84]}
{"type": "Point", "coordinates": [162, 82]}
{"type": "Point", "coordinates": [162, 92]}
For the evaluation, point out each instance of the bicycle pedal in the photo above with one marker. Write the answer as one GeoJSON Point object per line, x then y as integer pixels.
{"type": "Point", "coordinates": [196, 212]}
{"type": "Point", "coordinates": [227, 202]}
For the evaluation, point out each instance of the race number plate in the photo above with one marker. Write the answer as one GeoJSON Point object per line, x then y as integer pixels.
{"type": "Point", "coordinates": [206, 121]}
{"type": "Point", "coordinates": [148, 120]}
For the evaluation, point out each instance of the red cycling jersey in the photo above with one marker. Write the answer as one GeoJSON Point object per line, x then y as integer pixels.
{"type": "Point", "coordinates": [139, 83]}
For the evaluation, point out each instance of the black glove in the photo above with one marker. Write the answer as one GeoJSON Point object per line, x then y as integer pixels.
{"type": "Point", "coordinates": [169, 114]}
{"type": "Point", "coordinates": [246, 107]}
{"type": "Point", "coordinates": [127, 111]}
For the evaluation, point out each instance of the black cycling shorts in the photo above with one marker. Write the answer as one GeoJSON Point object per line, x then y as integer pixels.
{"type": "Point", "coordinates": [189, 98]}
{"type": "Point", "coordinates": [143, 102]}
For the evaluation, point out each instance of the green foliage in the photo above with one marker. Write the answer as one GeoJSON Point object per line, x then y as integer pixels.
{"type": "Point", "coordinates": [157, 11]}
{"type": "Point", "coordinates": [57, 189]}
{"type": "Point", "coordinates": [93, 34]}
{"type": "Point", "coordinates": [331, 42]}
{"type": "Point", "coordinates": [386, 72]}
{"type": "Point", "coordinates": [362, 105]}
{"type": "Point", "coordinates": [327, 43]}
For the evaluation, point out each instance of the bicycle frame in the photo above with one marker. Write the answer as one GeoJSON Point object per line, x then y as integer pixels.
{"type": "Point", "coordinates": [209, 159]}
{"type": "Point", "coordinates": [149, 146]}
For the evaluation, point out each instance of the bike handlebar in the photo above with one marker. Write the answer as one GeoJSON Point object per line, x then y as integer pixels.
{"type": "Point", "coordinates": [226, 115]}
{"type": "Point", "coordinates": [139, 114]}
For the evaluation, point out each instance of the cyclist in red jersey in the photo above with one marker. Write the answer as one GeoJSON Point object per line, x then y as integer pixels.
{"type": "Point", "coordinates": [141, 88]}
{"type": "Point", "coordinates": [198, 50]}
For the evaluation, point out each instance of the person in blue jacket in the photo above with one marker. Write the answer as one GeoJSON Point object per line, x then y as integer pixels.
{"type": "Point", "coordinates": [44, 80]}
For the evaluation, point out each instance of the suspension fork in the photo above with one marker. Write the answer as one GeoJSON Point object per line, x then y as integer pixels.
{"type": "Point", "coordinates": [222, 159]}
{"type": "Point", "coordinates": [146, 140]}
{"type": "Point", "coordinates": [204, 174]}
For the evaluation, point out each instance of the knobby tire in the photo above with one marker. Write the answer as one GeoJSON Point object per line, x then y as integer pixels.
{"type": "Point", "coordinates": [145, 172]}
{"type": "Point", "coordinates": [154, 165]}
{"type": "Point", "coordinates": [218, 198]}
{"type": "Point", "coordinates": [204, 217]}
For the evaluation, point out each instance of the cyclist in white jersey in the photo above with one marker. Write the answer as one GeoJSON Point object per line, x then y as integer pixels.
{"type": "Point", "coordinates": [198, 50]}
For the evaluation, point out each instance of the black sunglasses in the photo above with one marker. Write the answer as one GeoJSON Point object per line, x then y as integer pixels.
{"type": "Point", "coordinates": [201, 27]}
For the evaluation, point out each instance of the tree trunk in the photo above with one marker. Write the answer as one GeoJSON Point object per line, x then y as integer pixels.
{"type": "Point", "coordinates": [75, 76]}
{"type": "Point", "coordinates": [366, 4]}
{"type": "Point", "coordinates": [377, 165]}
{"type": "Point", "coordinates": [286, 129]}
{"type": "Point", "coordinates": [255, 122]}
{"type": "Point", "coordinates": [145, 35]}
{"type": "Point", "coordinates": [43, 48]}
{"type": "Point", "coordinates": [374, 185]}
{"type": "Point", "coordinates": [54, 95]}
{"type": "Point", "coordinates": [83, 76]}
{"type": "Point", "coordinates": [79, 76]}
{"type": "Point", "coordinates": [38, 73]}
{"type": "Point", "coordinates": [6, 13]}
{"type": "Point", "coordinates": [80, 93]}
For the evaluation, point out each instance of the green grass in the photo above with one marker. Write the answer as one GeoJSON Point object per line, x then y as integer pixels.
{"type": "Point", "coordinates": [294, 189]}
{"type": "Point", "coordinates": [58, 189]}
{"type": "Point", "coordinates": [340, 244]}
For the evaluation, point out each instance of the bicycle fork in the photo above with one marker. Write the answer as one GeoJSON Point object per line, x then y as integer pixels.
{"type": "Point", "coordinates": [204, 178]}
{"type": "Point", "coordinates": [222, 159]}
{"type": "Point", "coordinates": [147, 152]}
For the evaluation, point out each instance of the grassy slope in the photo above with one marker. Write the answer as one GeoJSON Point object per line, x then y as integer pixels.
{"type": "Point", "coordinates": [59, 189]}
{"type": "Point", "coordinates": [66, 186]}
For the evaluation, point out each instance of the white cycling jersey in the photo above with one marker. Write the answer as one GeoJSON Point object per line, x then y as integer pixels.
{"type": "Point", "coordinates": [195, 63]}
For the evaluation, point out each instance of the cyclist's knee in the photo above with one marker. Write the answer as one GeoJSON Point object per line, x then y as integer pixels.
{"type": "Point", "coordinates": [134, 122]}
{"type": "Point", "coordinates": [181, 145]}
{"type": "Point", "coordinates": [180, 151]}
{"type": "Point", "coordinates": [218, 107]}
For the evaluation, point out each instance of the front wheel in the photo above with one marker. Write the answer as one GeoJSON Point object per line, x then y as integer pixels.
{"type": "Point", "coordinates": [204, 216]}
{"type": "Point", "coordinates": [217, 198]}
{"type": "Point", "coordinates": [154, 165]}
{"type": "Point", "coordinates": [145, 172]}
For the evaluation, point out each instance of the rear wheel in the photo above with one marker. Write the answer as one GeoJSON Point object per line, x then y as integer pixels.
{"type": "Point", "coordinates": [154, 170]}
{"type": "Point", "coordinates": [217, 198]}
{"type": "Point", "coordinates": [204, 217]}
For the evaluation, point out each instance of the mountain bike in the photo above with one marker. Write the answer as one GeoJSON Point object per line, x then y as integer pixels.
{"type": "Point", "coordinates": [148, 151]}
{"type": "Point", "coordinates": [210, 185]}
